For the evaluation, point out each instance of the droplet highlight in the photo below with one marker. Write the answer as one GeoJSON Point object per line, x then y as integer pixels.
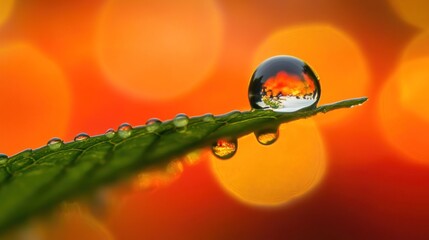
{"type": "Point", "coordinates": [110, 133]}
{"type": "Point", "coordinates": [267, 136]}
{"type": "Point", "coordinates": [81, 137]}
{"type": "Point", "coordinates": [55, 143]}
{"type": "Point", "coordinates": [153, 124]}
{"type": "Point", "coordinates": [181, 122]}
{"type": "Point", "coordinates": [124, 130]}
{"type": "Point", "coordinates": [284, 84]}
{"type": "Point", "coordinates": [224, 148]}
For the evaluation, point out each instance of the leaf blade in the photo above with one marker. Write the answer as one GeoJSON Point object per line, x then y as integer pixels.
{"type": "Point", "coordinates": [49, 176]}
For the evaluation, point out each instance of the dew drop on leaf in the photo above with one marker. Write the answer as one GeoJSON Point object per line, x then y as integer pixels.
{"type": "Point", "coordinates": [124, 130]}
{"type": "Point", "coordinates": [110, 133]}
{"type": "Point", "coordinates": [180, 122]}
{"type": "Point", "coordinates": [224, 148]}
{"type": "Point", "coordinates": [209, 118]}
{"type": "Point", "coordinates": [284, 84]}
{"type": "Point", "coordinates": [81, 137]}
{"type": "Point", "coordinates": [153, 124]}
{"type": "Point", "coordinates": [267, 136]}
{"type": "Point", "coordinates": [55, 143]}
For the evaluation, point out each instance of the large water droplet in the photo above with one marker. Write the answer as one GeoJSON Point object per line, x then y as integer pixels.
{"type": "Point", "coordinates": [153, 124]}
{"type": "Point", "coordinates": [225, 148]}
{"type": "Point", "coordinates": [81, 137]}
{"type": "Point", "coordinates": [110, 133]}
{"type": "Point", "coordinates": [181, 122]}
{"type": "Point", "coordinates": [267, 136]}
{"type": "Point", "coordinates": [124, 130]}
{"type": "Point", "coordinates": [284, 84]}
{"type": "Point", "coordinates": [55, 143]}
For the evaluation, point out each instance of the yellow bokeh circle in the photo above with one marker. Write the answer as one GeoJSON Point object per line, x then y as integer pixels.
{"type": "Point", "coordinates": [158, 50]}
{"type": "Point", "coordinates": [402, 110]}
{"type": "Point", "coordinates": [413, 77]}
{"type": "Point", "coordinates": [333, 55]}
{"type": "Point", "coordinates": [273, 175]}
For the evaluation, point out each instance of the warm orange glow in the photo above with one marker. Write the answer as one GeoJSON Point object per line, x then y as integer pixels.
{"type": "Point", "coordinates": [6, 7]}
{"type": "Point", "coordinates": [75, 222]}
{"type": "Point", "coordinates": [35, 98]}
{"type": "Point", "coordinates": [335, 57]}
{"type": "Point", "coordinates": [287, 85]}
{"type": "Point", "coordinates": [403, 113]}
{"type": "Point", "coordinates": [413, 77]}
{"type": "Point", "coordinates": [273, 175]}
{"type": "Point", "coordinates": [158, 50]}
{"type": "Point", "coordinates": [414, 12]}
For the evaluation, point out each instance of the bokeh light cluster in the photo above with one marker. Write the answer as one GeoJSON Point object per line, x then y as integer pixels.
{"type": "Point", "coordinates": [86, 66]}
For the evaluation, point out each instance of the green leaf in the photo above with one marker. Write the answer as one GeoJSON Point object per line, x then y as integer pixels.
{"type": "Point", "coordinates": [34, 181]}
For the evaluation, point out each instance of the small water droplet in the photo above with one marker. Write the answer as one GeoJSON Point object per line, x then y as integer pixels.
{"type": "Point", "coordinates": [284, 84]}
{"type": "Point", "coordinates": [110, 133]}
{"type": "Point", "coordinates": [81, 137]}
{"type": "Point", "coordinates": [124, 130]}
{"type": "Point", "coordinates": [55, 143]}
{"type": "Point", "coordinates": [267, 136]}
{"type": "Point", "coordinates": [209, 118]}
{"type": "Point", "coordinates": [225, 148]}
{"type": "Point", "coordinates": [153, 124]}
{"type": "Point", "coordinates": [181, 122]}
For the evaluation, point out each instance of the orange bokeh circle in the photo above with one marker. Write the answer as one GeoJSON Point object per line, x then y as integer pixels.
{"type": "Point", "coordinates": [334, 56]}
{"type": "Point", "coordinates": [35, 98]}
{"type": "Point", "coordinates": [158, 50]}
{"type": "Point", "coordinates": [273, 175]}
{"type": "Point", "coordinates": [402, 110]}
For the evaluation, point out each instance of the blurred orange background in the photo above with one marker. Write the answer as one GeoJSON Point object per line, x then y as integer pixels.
{"type": "Point", "coordinates": [363, 173]}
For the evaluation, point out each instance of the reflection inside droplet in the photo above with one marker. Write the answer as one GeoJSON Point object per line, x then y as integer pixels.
{"type": "Point", "coordinates": [224, 148]}
{"type": "Point", "coordinates": [284, 84]}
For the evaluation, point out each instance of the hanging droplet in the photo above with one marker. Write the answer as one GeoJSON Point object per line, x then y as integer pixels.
{"type": "Point", "coordinates": [81, 137]}
{"type": "Point", "coordinates": [110, 133]}
{"type": "Point", "coordinates": [181, 122]}
{"type": "Point", "coordinates": [124, 130]}
{"type": "Point", "coordinates": [225, 149]}
{"type": "Point", "coordinates": [55, 143]}
{"type": "Point", "coordinates": [3, 159]}
{"type": "Point", "coordinates": [267, 136]}
{"type": "Point", "coordinates": [209, 118]}
{"type": "Point", "coordinates": [153, 124]}
{"type": "Point", "coordinates": [284, 84]}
